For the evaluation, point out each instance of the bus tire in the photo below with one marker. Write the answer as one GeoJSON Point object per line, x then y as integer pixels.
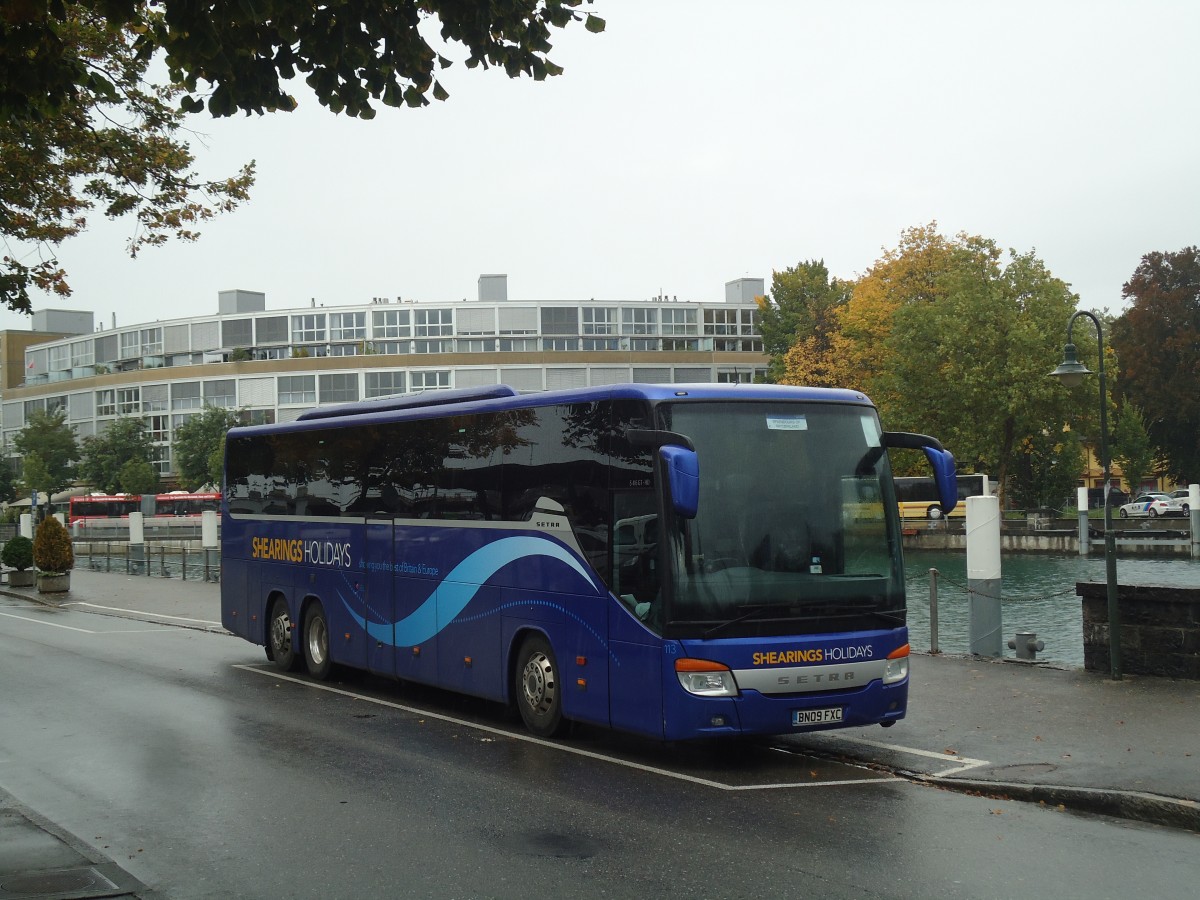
{"type": "Point", "coordinates": [538, 688]}
{"type": "Point", "coordinates": [280, 648]}
{"type": "Point", "coordinates": [316, 642]}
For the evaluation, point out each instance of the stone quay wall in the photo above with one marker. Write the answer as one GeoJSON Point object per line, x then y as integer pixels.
{"type": "Point", "coordinates": [1160, 629]}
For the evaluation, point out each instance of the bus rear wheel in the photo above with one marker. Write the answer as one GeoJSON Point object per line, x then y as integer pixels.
{"type": "Point", "coordinates": [316, 643]}
{"type": "Point", "coordinates": [538, 688]}
{"type": "Point", "coordinates": [280, 648]}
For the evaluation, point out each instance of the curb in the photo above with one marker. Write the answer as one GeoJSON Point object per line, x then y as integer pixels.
{"type": "Point", "coordinates": [1133, 805]}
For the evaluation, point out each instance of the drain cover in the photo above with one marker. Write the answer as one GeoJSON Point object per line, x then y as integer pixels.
{"type": "Point", "coordinates": [61, 884]}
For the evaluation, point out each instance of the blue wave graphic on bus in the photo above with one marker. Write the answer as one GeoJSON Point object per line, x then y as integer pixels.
{"type": "Point", "coordinates": [451, 595]}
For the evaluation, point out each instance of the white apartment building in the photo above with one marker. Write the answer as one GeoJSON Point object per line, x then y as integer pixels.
{"type": "Point", "coordinates": [272, 365]}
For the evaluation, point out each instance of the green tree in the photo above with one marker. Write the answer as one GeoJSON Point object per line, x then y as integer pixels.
{"type": "Point", "coordinates": [1131, 446]}
{"type": "Point", "coordinates": [110, 144]}
{"type": "Point", "coordinates": [1157, 340]}
{"type": "Point", "coordinates": [48, 435]}
{"type": "Point", "coordinates": [197, 440]}
{"type": "Point", "coordinates": [137, 476]}
{"type": "Point", "coordinates": [800, 308]}
{"type": "Point", "coordinates": [971, 365]}
{"type": "Point", "coordinates": [1046, 469]}
{"type": "Point", "coordinates": [349, 53]}
{"type": "Point", "coordinates": [8, 487]}
{"type": "Point", "coordinates": [103, 456]}
{"type": "Point", "coordinates": [35, 475]}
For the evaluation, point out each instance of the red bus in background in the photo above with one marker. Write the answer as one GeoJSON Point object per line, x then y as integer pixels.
{"type": "Point", "coordinates": [118, 506]}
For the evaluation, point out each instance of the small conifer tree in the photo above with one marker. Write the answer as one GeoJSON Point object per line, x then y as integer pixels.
{"type": "Point", "coordinates": [17, 553]}
{"type": "Point", "coordinates": [52, 551]}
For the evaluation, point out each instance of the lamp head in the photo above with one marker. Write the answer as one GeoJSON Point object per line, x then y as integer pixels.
{"type": "Point", "coordinates": [1071, 372]}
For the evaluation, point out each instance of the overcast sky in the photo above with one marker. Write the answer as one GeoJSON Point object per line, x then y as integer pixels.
{"type": "Point", "coordinates": [697, 142]}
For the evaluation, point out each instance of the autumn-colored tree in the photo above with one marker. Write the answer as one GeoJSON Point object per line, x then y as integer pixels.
{"type": "Point", "coordinates": [800, 307]}
{"type": "Point", "coordinates": [110, 145]}
{"type": "Point", "coordinates": [350, 53]}
{"type": "Point", "coordinates": [1131, 446]}
{"type": "Point", "coordinates": [949, 340]}
{"type": "Point", "coordinates": [1158, 350]}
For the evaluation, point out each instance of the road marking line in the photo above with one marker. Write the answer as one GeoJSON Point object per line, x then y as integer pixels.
{"type": "Point", "coordinates": [530, 739]}
{"type": "Point", "coordinates": [139, 612]}
{"type": "Point", "coordinates": [50, 624]}
{"type": "Point", "coordinates": [962, 763]}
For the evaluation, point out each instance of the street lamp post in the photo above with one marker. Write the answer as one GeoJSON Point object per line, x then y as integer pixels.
{"type": "Point", "coordinates": [1071, 372]}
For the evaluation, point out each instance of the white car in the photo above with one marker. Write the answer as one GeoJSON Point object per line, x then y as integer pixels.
{"type": "Point", "coordinates": [1182, 496]}
{"type": "Point", "coordinates": [1153, 505]}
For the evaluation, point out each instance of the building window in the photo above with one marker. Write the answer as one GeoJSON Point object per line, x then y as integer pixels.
{"type": "Point", "coordinates": [220, 393]}
{"type": "Point", "coordinates": [271, 330]}
{"type": "Point", "coordinates": [36, 406]}
{"type": "Point", "coordinates": [257, 416]}
{"type": "Point", "coordinates": [639, 321]}
{"type": "Point", "coordinates": [560, 320]}
{"type": "Point", "coordinates": [734, 377]}
{"type": "Point", "coordinates": [129, 401]}
{"type": "Point", "coordinates": [297, 389]}
{"type": "Point", "coordinates": [430, 381]}
{"type": "Point", "coordinates": [301, 351]}
{"type": "Point", "coordinates": [720, 321]}
{"type": "Point", "coordinates": [644, 344]}
{"type": "Point", "coordinates": [340, 388]}
{"type": "Point", "coordinates": [384, 384]}
{"type": "Point", "coordinates": [681, 345]}
{"type": "Point", "coordinates": [237, 333]}
{"type": "Point", "coordinates": [599, 321]}
{"type": "Point", "coordinates": [390, 323]}
{"type": "Point", "coordinates": [446, 346]}
{"type": "Point", "coordinates": [560, 344]}
{"type": "Point", "coordinates": [518, 345]}
{"type": "Point", "coordinates": [434, 322]}
{"type": "Point", "coordinates": [273, 353]}
{"type": "Point", "coordinates": [158, 428]}
{"type": "Point", "coordinates": [392, 348]}
{"type": "Point", "coordinates": [131, 345]}
{"type": "Point", "coordinates": [679, 322]}
{"type": "Point", "coordinates": [601, 344]}
{"type": "Point", "coordinates": [186, 395]}
{"type": "Point", "coordinates": [308, 328]}
{"type": "Point", "coordinates": [476, 346]}
{"type": "Point", "coordinates": [749, 321]}
{"type": "Point", "coordinates": [81, 354]}
{"type": "Point", "coordinates": [60, 358]}
{"type": "Point", "coordinates": [345, 350]}
{"type": "Point", "coordinates": [348, 326]}
{"type": "Point", "coordinates": [727, 345]}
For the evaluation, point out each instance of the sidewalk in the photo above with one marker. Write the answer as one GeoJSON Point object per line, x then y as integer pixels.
{"type": "Point", "coordinates": [1129, 748]}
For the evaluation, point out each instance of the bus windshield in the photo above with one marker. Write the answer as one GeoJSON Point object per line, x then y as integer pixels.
{"type": "Point", "coordinates": [797, 529]}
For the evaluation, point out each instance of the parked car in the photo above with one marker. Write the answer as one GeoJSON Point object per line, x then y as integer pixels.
{"type": "Point", "coordinates": [1182, 496]}
{"type": "Point", "coordinates": [1153, 505]}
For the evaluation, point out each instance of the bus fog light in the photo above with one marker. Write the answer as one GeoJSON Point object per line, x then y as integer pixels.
{"type": "Point", "coordinates": [895, 670]}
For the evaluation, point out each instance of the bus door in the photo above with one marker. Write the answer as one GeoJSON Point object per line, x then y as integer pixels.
{"type": "Point", "coordinates": [376, 597]}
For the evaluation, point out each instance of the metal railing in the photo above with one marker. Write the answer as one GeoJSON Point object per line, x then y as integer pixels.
{"type": "Point", "coordinates": [164, 559]}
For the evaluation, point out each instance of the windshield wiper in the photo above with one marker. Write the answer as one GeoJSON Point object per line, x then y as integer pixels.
{"type": "Point", "coordinates": [748, 612]}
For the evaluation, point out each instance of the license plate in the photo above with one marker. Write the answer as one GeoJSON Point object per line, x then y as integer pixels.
{"type": "Point", "coordinates": [816, 716]}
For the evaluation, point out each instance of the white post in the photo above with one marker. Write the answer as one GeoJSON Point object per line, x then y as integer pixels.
{"type": "Point", "coordinates": [62, 519]}
{"type": "Point", "coordinates": [137, 544]}
{"type": "Point", "coordinates": [983, 575]}
{"type": "Point", "coordinates": [1194, 517]}
{"type": "Point", "coordinates": [208, 529]}
{"type": "Point", "coordinates": [27, 525]}
{"type": "Point", "coordinates": [1081, 504]}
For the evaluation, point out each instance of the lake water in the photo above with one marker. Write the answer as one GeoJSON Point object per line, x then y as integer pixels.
{"type": "Point", "coordinates": [1037, 594]}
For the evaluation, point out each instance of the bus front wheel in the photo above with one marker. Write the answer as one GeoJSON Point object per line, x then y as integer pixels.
{"type": "Point", "coordinates": [539, 688]}
{"type": "Point", "coordinates": [280, 648]}
{"type": "Point", "coordinates": [316, 643]}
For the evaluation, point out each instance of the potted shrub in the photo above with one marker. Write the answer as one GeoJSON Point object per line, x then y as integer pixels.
{"type": "Point", "coordinates": [53, 556]}
{"type": "Point", "coordinates": [18, 555]}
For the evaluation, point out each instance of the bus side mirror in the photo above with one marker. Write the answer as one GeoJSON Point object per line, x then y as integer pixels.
{"type": "Point", "coordinates": [682, 469]}
{"type": "Point", "coordinates": [944, 476]}
{"type": "Point", "coordinates": [940, 459]}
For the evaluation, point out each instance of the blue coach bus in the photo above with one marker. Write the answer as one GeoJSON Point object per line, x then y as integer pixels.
{"type": "Point", "coordinates": [678, 561]}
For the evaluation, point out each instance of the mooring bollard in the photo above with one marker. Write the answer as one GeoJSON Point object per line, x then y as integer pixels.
{"type": "Point", "coordinates": [933, 611]}
{"type": "Point", "coordinates": [1026, 644]}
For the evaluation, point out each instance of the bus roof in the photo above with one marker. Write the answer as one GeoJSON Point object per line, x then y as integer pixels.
{"type": "Point", "coordinates": [495, 398]}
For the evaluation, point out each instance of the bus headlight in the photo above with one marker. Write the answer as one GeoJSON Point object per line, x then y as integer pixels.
{"type": "Point", "coordinates": [896, 668]}
{"type": "Point", "coordinates": [705, 678]}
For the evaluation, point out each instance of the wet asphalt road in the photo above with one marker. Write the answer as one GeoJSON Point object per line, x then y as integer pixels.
{"type": "Point", "coordinates": [179, 755]}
